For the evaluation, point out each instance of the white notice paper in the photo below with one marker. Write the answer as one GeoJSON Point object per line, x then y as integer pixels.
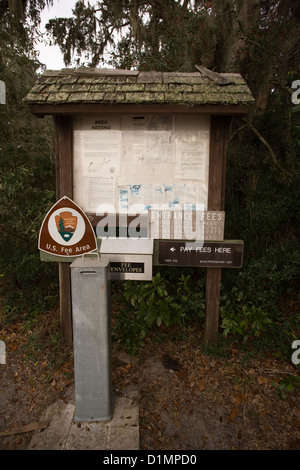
{"type": "Point", "coordinates": [191, 161]}
{"type": "Point", "coordinates": [98, 142]}
{"type": "Point", "coordinates": [100, 194]}
{"type": "Point", "coordinates": [101, 151]}
{"type": "Point", "coordinates": [159, 139]}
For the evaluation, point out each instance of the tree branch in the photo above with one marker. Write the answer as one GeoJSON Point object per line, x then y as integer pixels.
{"type": "Point", "coordinates": [267, 145]}
{"type": "Point", "coordinates": [236, 132]}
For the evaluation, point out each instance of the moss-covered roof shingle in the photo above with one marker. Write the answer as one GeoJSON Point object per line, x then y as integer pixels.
{"type": "Point", "coordinates": [114, 86]}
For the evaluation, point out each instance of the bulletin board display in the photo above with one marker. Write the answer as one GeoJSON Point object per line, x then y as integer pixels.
{"type": "Point", "coordinates": [132, 163]}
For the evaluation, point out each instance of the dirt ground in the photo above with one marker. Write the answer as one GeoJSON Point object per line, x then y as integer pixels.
{"type": "Point", "coordinates": [188, 399]}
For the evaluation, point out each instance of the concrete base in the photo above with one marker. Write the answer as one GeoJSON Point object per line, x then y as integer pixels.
{"type": "Point", "coordinates": [62, 433]}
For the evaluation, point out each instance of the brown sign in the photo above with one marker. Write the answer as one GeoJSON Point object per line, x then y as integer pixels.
{"type": "Point", "coordinates": [66, 230]}
{"type": "Point", "coordinates": [226, 254]}
{"type": "Point", "coordinates": [186, 224]}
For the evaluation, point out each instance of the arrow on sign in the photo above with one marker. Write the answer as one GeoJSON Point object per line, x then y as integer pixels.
{"type": "Point", "coordinates": [172, 249]}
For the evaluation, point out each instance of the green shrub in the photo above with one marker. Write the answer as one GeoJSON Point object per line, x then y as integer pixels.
{"type": "Point", "coordinates": [161, 302]}
{"type": "Point", "coordinates": [241, 317]}
{"type": "Point", "coordinates": [27, 191]}
{"type": "Point", "coordinates": [256, 299]}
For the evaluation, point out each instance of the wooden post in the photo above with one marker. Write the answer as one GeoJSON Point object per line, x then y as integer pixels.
{"type": "Point", "coordinates": [216, 201]}
{"type": "Point", "coordinates": [64, 187]}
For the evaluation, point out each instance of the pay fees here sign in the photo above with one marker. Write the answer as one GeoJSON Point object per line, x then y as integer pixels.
{"type": "Point", "coordinates": [66, 230]}
{"type": "Point", "coordinates": [225, 254]}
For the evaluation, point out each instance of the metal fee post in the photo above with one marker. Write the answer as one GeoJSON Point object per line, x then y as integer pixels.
{"type": "Point", "coordinates": [90, 280]}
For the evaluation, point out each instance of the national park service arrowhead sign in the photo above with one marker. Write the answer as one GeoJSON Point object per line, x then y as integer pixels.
{"type": "Point", "coordinates": [66, 230]}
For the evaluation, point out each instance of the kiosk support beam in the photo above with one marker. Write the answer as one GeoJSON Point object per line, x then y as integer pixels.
{"type": "Point", "coordinates": [216, 201]}
{"type": "Point", "coordinates": [64, 187]}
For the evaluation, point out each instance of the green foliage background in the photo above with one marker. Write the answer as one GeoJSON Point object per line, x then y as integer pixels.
{"type": "Point", "coordinates": [27, 191]}
{"type": "Point", "coordinates": [27, 172]}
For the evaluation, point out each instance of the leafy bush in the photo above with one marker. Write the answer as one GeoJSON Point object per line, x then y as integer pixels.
{"type": "Point", "coordinates": [286, 385]}
{"type": "Point", "coordinates": [266, 280]}
{"type": "Point", "coordinates": [161, 302]}
{"type": "Point", "coordinates": [241, 317]}
{"type": "Point", "coordinates": [256, 300]}
{"type": "Point", "coordinates": [27, 191]}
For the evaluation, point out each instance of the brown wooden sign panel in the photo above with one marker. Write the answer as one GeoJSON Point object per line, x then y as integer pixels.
{"type": "Point", "coordinates": [186, 224]}
{"type": "Point", "coordinates": [66, 231]}
{"type": "Point", "coordinates": [225, 254]}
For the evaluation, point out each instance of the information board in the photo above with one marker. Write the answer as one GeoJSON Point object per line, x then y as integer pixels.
{"type": "Point", "coordinates": [131, 163]}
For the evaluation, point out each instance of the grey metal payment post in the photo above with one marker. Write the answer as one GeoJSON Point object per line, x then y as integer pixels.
{"type": "Point", "coordinates": [92, 339]}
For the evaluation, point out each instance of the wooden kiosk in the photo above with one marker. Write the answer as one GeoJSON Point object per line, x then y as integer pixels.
{"type": "Point", "coordinates": [128, 138]}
